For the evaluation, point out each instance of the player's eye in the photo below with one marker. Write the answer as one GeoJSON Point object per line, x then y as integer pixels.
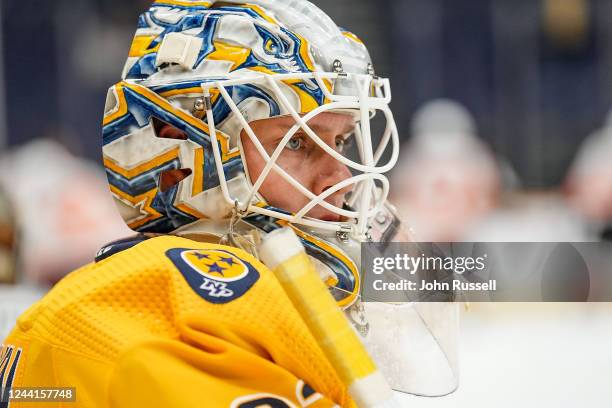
{"type": "Point", "coordinates": [295, 143]}
{"type": "Point", "coordinates": [167, 131]}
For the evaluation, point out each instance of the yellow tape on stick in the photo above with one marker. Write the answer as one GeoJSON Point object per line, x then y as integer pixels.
{"type": "Point", "coordinates": [283, 252]}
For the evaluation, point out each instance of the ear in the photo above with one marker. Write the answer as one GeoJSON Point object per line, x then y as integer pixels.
{"type": "Point", "coordinates": [167, 131]}
{"type": "Point", "coordinates": [170, 178]}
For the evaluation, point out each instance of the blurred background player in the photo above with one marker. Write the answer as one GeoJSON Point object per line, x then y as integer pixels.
{"type": "Point", "coordinates": [588, 184]}
{"type": "Point", "coordinates": [447, 179]}
{"type": "Point", "coordinates": [8, 240]}
{"type": "Point", "coordinates": [450, 187]}
{"type": "Point", "coordinates": [15, 293]}
{"type": "Point", "coordinates": [72, 216]}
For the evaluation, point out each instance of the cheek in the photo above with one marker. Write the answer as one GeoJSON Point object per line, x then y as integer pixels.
{"type": "Point", "coordinates": [295, 165]}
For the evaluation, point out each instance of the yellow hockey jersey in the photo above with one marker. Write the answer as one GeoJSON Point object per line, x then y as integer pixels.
{"type": "Point", "coordinates": [171, 322]}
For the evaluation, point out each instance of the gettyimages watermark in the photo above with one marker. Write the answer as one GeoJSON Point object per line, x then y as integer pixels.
{"type": "Point", "coordinates": [487, 272]}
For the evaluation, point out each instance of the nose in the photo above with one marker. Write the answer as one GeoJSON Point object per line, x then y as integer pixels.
{"type": "Point", "coordinates": [331, 172]}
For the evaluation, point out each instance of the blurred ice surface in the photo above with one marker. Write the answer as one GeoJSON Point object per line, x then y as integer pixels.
{"type": "Point", "coordinates": [532, 356]}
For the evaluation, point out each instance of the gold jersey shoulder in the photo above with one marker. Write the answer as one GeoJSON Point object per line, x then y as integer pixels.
{"type": "Point", "coordinates": [172, 322]}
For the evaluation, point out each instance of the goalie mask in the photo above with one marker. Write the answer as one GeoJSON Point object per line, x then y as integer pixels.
{"type": "Point", "coordinates": [211, 70]}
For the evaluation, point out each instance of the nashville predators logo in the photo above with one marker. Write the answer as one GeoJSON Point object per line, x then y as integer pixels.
{"type": "Point", "coordinates": [217, 275]}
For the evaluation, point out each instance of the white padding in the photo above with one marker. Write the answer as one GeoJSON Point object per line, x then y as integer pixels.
{"type": "Point", "coordinates": [178, 48]}
{"type": "Point", "coordinates": [279, 246]}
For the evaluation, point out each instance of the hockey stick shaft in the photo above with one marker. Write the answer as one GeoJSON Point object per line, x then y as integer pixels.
{"type": "Point", "coordinates": [283, 252]}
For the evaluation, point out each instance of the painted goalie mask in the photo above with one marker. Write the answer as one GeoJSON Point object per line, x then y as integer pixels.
{"type": "Point", "coordinates": [210, 69]}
